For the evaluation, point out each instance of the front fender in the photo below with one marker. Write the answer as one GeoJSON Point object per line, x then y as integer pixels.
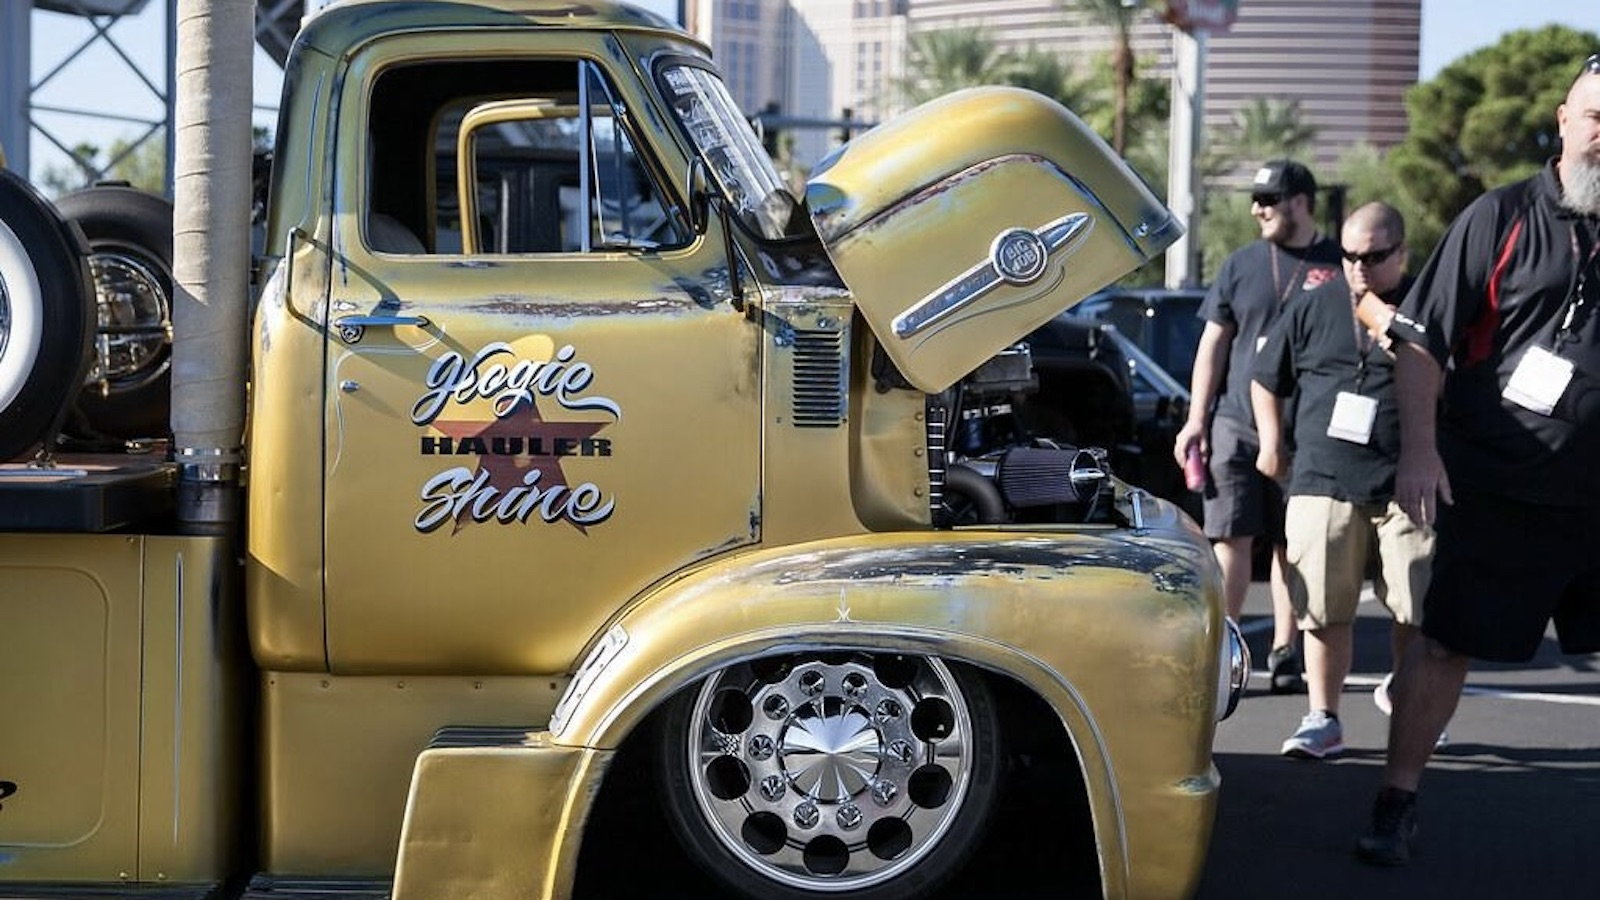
{"type": "Point", "coordinates": [1118, 632]}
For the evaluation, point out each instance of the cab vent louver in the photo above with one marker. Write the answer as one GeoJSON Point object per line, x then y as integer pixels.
{"type": "Point", "coordinates": [819, 379]}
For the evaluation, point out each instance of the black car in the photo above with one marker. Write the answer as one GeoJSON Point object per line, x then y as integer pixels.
{"type": "Point", "coordinates": [1162, 323]}
{"type": "Point", "coordinates": [1158, 331]}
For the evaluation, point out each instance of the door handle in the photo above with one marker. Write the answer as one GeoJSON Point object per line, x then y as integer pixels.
{"type": "Point", "coordinates": [353, 328]}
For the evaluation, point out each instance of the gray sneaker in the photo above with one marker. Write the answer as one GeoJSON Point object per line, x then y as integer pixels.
{"type": "Point", "coordinates": [1318, 737]}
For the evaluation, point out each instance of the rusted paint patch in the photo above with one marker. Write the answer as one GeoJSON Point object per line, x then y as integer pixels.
{"type": "Point", "coordinates": [833, 230]}
{"type": "Point", "coordinates": [551, 309]}
{"type": "Point", "coordinates": [1008, 558]}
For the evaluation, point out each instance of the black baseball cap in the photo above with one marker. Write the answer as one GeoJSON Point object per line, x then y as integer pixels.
{"type": "Point", "coordinates": [1283, 177]}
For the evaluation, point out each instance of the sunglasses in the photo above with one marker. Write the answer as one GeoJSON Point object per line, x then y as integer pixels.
{"type": "Point", "coordinates": [1591, 66]}
{"type": "Point", "coordinates": [1371, 257]}
{"type": "Point", "coordinates": [1265, 200]}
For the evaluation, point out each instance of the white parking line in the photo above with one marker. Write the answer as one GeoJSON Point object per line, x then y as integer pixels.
{"type": "Point", "coordinates": [1369, 596]}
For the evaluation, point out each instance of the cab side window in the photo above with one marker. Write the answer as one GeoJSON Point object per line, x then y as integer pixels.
{"type": "Point", "coordinates": [545, 145]}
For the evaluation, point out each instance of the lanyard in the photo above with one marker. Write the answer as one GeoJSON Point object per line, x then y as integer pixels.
{"type": "Point", "coordinates": [1364, 343]}
{"type": "Point", "coordinates": [1280, 289]}
{"type": "Point", "coordinates": [1576, 300]}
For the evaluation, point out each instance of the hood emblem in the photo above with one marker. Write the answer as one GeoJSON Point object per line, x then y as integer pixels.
{"type": "Point", "coordinates": [1017, 256]}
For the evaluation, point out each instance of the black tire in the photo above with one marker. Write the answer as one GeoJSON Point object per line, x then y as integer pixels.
{"type": "Point", "coordinates": [769, 815]}
{"type": "Point", "coordinates": [46, 316]}
{"type": "Point", "coordinates": [130, 241]}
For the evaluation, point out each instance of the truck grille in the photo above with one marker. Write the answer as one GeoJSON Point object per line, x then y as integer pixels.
{"type": "Point", "coordinates": [819, 378]}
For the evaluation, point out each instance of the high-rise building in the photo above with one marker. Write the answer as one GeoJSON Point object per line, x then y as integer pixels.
{"type": "Point", "coordinates": [809, 59]}
{"type": "Point", "coordinates": [1346, 64]}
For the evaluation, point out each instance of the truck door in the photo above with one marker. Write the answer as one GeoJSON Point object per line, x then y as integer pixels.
{"type": "Point", "coordinates": [538, 398]}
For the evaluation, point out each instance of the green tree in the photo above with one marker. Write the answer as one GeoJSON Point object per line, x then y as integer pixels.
{"type": "Point", "coordinates": [1367, 176]}
{"type": "Point", "coordinates": [1044, 72]}
{"type": "Point", "coordinates": [1148, 110]}
{"type": "Point", "coordinates": [939, 62]}
{"type": "Point", "coordinates": [58, 180]}
{"type": "Point", "coordinates": [1118, 16]}
{"type": "Point", "coordinates": [143, 165]}
{"type": "Point", "coordinates": [1488, 118]}
{"type": "Point", "coordinates": [1262, 129]}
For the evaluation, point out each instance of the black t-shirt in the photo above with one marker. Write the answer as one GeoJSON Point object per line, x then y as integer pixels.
{"type": "Point", "coordinates": [1498, 284]}
{"type": "Point", "coordinates": [1251, 287]}
{"type": "Point", "coordinates": [1317, 348]}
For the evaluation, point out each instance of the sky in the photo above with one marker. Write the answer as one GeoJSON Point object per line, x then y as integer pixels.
{"type": "Point", "coordinates": [1454, 28]}
{"type": "Point", "coordinates": [101, 82]}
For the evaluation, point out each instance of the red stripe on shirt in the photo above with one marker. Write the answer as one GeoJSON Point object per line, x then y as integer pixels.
{"type": "Point", "coordinates": [1479, 337]}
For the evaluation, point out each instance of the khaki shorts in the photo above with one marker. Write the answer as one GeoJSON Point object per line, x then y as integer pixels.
{"type": "Point", "coordinates": [1329, 543]}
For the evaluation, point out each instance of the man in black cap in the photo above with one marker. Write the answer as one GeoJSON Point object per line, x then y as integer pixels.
{"type": "Point", "coordinates": [1241, 504]}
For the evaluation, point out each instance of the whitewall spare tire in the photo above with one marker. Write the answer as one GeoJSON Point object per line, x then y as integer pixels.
{"type": "Point", "coordinates": [46, 315]}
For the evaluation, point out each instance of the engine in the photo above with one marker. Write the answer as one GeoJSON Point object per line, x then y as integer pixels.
{"type": "Point", "coordinates": [993, 459]}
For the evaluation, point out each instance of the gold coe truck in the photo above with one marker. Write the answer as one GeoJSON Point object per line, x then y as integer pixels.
{"type": "Point", "coordinates": [600, 483]}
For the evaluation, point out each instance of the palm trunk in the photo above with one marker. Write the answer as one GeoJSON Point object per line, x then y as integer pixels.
{"type": "Point", "coordinates": [1122, 75]}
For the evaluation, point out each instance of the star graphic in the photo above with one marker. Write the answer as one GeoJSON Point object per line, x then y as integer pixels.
{"type": "Point", "coordinates": [507, 471]}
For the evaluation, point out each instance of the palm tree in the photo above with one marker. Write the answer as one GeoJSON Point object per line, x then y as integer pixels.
{"type": "Point", "coordinates": [1044, 72]}
{"type": "Point", "coordinates": [1118, 15]}
{"type": "Point", "coordinates": [951, 59]}
{"type": "Point", "coordinates": [1268, 127]}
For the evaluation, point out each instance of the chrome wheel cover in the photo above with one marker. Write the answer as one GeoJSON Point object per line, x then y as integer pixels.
{"type": "Point", "coordinates": [833, 772]}
{"type": "Point", "coordinates": [134, 315]}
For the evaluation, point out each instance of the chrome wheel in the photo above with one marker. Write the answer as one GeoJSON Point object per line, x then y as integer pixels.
{"type": "Point", "coordinates": [838, 772]}
{"type": "Point", "coordinates": [128, 393]}
{"type": "Point", "coordinates": [134, 317]}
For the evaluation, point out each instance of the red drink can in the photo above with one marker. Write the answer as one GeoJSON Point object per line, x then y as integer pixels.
{"type": "Point", "coordinates": [1194, 469]}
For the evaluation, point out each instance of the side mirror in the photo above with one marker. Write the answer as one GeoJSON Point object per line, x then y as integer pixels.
{"type": "Point", "coordinates": [699, 196]}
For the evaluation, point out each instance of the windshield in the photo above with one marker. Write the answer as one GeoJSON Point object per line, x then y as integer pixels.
{"type": "Point", "coordinates": [737, 160]}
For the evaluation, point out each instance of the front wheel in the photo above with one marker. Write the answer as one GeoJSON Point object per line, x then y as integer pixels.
{"type": "Point", "coordinates": [846, 774]}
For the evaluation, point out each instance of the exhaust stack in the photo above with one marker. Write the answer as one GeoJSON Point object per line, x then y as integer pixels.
{"type": "Point", "coordinates": [211, 253]}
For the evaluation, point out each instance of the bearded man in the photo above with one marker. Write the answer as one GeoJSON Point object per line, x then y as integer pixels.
{"type": "Point", "coordinates": [1240, 505]}
{"type": "Point", "coordinates": [1498, 378]}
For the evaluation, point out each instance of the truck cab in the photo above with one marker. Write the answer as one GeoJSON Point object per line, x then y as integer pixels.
{"type": "Point", "coordinates": [577, 434]}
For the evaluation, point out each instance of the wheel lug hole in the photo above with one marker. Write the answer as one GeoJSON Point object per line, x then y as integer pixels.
{"type": "Point", "coordinates": [806, 815]}
{"type": "Point", "coordinates": [776, 708]}
{"type": "Point", "coordinates": [884, 792]}
{"type": "Point", "coordinates": [812, 682]}
{"type": "Point", "coordinates": [773, 788]}
{"type": "Point", "coordinates": [849, 817]}
{"type": "Point", "coordinates": [900, 752]}
{"type": "Point", "coordinates": [761, 747]}
{"type": "Point", "coordinates": [888, 711]}
{"type": "Point", "coordinates": [855, 685]}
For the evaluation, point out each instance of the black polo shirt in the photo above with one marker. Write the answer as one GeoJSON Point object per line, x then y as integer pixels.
{"type": "Point", "coordinates": [1314, 348]}
{"type": "Point", "coordinates": [1499, 283]}
{"type": "Point", "coordinates": [1251, 287]}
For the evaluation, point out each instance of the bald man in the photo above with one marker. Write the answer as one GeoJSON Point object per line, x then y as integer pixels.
{"type": "Point", "coordinates": [1498, 376]}
{"type": "Point", "coordinates": [1346, 427]}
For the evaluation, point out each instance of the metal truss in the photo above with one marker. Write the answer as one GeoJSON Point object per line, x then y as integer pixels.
{"type": "Point", "coordinates": [277, 21]}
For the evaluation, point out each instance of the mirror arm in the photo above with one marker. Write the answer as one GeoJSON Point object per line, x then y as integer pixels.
{"type": "Point", "coordinates": [735, 281]}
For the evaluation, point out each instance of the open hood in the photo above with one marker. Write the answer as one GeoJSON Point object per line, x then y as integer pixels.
{"type": "Point", "coordinates": [971, 220]}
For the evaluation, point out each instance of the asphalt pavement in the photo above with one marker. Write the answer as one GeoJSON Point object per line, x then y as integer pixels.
{"type": "Point", "coordinates": [1509, 808]}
